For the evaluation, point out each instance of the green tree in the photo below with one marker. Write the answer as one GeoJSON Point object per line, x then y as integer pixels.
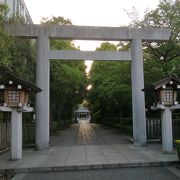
{"type": "Point", "coordinates": [110, 95]}
{"type": "Point", "coordinates": [5, 41]}
{"type": "Point", "coordinates": [17, 56]}
{"type": "Point", "coordinates": [161, 58]}
{"type": "Point", "coordinates": [68, 78]}
{"type": "Point", "coordinates": [56, 20]}
{"type": "Point", "coordinates": [166, 15]}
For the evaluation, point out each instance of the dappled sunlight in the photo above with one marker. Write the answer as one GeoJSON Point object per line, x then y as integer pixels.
{"type": "Point", "coordinates": [88, 66]}
{"type": "Point", "coordinates": [89, 87]}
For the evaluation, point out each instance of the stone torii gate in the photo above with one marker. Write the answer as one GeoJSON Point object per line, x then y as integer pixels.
{"type": "Point", "coordinates": [45, 32]}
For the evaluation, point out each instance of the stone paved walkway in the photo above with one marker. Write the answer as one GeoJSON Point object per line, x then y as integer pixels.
{"type": "Point", "coordinates": [85, 133]}
{"type": "Point", "coordinates": [88, 146]}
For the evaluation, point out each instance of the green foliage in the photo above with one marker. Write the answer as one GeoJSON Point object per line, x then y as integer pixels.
{"type": "Point", "coordinates": [5, 41]}
{"type": "Point", "coordinates": [111, 92]}
{"type": "Point", "coordinates": [22, 58]}
{"type": "Point", "coordinates": [178, 148]}
{"type": "Point", "coordinates": [68, 79]}
{"type": "Point", "coordinates": [67, 88]}
{"type": "Point", "coordinates": [166, 15]}
{"type": "Point", "coordinates": [3, 11]}
{"type": "Point", "coordinates": [106, 46]}
{"type": "Point", "coordinates": [110, 95]}
{"type": "Point", "coordinates": [56, 21]}
{"type": "Point", "coordinates": [161, 58]}
{"type": "Point", "coordinates": [16, 55]}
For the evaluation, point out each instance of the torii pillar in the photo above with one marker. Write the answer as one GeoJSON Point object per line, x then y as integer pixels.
{"type": "Point", "coordinates": [138, 100]}
{"type": "Point", "coordinates": [42, 99]}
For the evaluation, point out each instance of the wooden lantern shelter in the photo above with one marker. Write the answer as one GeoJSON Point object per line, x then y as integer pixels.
{"type": "Point", "coordinates": [14, 91]}
{"type": "Point", "coordinates": [166, 90]}
{"type": "Point", "coordinates": [14, 99]}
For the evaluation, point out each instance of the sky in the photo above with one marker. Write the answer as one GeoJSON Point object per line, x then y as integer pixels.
{"type": "Point", "coordinates": [89, 13]}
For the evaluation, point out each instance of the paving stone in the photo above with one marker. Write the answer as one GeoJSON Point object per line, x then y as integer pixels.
{"type": "Point", "coordinates": [88, 145]}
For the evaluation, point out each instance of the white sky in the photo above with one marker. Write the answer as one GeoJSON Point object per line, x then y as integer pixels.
{"type": "Point", "coordinates": [89, 13]}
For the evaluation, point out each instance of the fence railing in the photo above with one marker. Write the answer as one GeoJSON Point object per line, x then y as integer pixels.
{"type": "Point", "coordinates": [4, 130]}
{"type": "Point", "coordinates": [176, 129]}
{"type": "Point", "coordinates": [4, 135]}
{"type": "Point", "coordinates": [153, 128]}
{"type": "Point", "coordinates": [28, 132]}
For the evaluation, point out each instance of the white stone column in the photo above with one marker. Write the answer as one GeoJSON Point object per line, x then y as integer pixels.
{"type": "Point", "coordinates": [42, 98]}
{"type": "Point", "coordinates": [138, 100]}
{"type": "Point", "coordinates": [16, 135]}
{"type": "Point", "coordinates": [167, 139]}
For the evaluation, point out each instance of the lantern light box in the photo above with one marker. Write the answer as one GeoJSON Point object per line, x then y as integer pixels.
{"type": "Point", "coordinates": [14, 91]}
{"type": "Point", "coordinates": [166, 90]}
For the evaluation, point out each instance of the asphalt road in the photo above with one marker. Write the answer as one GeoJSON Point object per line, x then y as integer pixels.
{"type": "Point", "coordinates": [153, 173]}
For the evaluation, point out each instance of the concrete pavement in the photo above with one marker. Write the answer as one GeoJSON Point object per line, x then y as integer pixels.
{"type": "Point", "coordinates": [87, 146]}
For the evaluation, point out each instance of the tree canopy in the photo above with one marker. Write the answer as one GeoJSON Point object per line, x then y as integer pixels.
{"type": "Point", "coordinates": [111, 89]}
{"type": "Point", "coordinates": [162, 58]}
{"type": "Point", "coordinates": [110, 95]}
{"type": "Point", "coordinates": [67, 79]}
{"type": "Point", "coordinates": [17, 56]}
{"type": "Point", "coordinates": [111, 82]}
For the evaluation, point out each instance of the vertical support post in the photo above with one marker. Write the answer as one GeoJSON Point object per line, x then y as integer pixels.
{"type": "Point", "coordinates": [167, 139]}
{"type": "Point", "coordinates": [16, 135]}
{"type": "Point", "coordinates": [42, 99]}
{"type": "Point", "coordinates": [138, 100]}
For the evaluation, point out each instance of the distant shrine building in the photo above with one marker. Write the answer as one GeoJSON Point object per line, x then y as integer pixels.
{"type": "Point", "coordinates": [82, 113]}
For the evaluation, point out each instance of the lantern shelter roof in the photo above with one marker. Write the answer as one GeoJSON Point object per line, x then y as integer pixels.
{"type": "Point", "coordinates": [158, 84]}
{"type": "Point", "coordinates": [31, 88]}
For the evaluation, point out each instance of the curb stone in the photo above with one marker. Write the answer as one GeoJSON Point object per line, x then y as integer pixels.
{"type": "Point", "coordinates": [87, 167]}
